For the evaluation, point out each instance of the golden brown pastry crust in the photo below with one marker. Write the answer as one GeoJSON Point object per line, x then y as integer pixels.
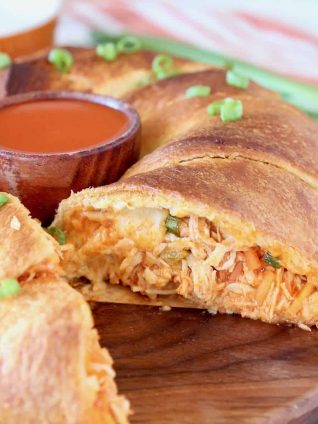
{"type": "Point", "coordinates": [47, 340]}
{"type": "Point", "coordinates": [270, 130]}
{"type": "Point", "coordinates": [89, 73]}
{"type": "Point", "coordinates": [46, 332]}
{"type": "Point", "coordinates": [23, 242]}
{"type": "Point", "coordinates": [255, 179]}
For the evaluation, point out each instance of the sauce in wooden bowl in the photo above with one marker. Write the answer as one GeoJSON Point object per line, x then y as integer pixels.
{"type": "Point", "coordinates": [52, 143]}
{"type": "Point", "coordinates": [59, 125]}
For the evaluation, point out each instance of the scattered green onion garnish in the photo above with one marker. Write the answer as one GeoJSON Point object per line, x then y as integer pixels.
{"type": "Point", "coordinates": [198, 91]}
{"type": "Point", "coordinates": [271, 260]}
{"type": "Point", "coordinates": [231, 110]}
{"type": "Point", "coordinates": [107, 51]}
{"type": "Point", "coordinates": [172, 224]}
{"type": "Point", "coordinates": [237, 80]}
{"type": "Point", "coordinates": [214, 108]}
{"type": "Point", "coordinates": [163, 66]}
{"type": "Point", "coordinates": [128, 44]}
{"type": "Point", "coordinates": [3, 199]}
{"type": "Point", "coordinates": [58, 234]}
{"type": "Point", "coordinates": [61, 59]}
{"type": "Point", "coordinates": [5, 60]}
{"type": "Point", "coordinates": [162, 62]}
{"type": "Point", "coordinates": [9, 287]}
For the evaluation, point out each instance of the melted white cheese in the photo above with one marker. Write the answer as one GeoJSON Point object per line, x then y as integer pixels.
{"type": "Point", "coordinates": [146, 226]}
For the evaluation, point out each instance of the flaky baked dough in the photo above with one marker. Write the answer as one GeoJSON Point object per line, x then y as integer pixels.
{"type": "Point", "coordinates": [23, 242]}
{"type": "Point", "coordinates": [271, 130]}
{"type": "Point", "coordinates": [257, 176]}
{"type": "Point", "coordinates": [48, 345]}
{"type": "Point", "coordinates": [46, 337]}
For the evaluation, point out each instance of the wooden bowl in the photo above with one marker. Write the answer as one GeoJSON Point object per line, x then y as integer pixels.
{"type": "Point", "coordinates": [42, 180]}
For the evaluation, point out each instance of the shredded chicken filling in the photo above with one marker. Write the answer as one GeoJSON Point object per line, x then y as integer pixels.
{"type": "Point", "coordinates": [199, 263]}
{"type": "Point", "coordinates": [41, 271]}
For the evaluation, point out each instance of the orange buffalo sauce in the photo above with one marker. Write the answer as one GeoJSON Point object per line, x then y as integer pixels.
{"type": "Point", "coordinates": [58, 125]}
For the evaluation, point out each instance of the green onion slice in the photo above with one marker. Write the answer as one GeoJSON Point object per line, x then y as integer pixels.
{"type": "Point", "coordinates": [172, 224]}
{"type": "Point", "coordinates": [236, 80]}
{"type": "Point", "coordinates": [3, 199]}
{"type": "Point", "coordinates": [9, 287]}
{"type": "Point", "coordinates": [5, 60]}
{"type": "Point", "coordinates": [128, 44]}
{"type": "Point", "coordinates": [162, 62]}
{"type": "Point", "coordinates": [58, 234]}
{"type": "Point", "coordinates": [214, 108]}
{"type": "Point", "coordinates": [163, 66]}
{"type": "Point", "coordinates": [271, 260]}
{"type": "Point", "coordinates": [198, 91]}
{"type": "Point", "coordinates": [231, 110]}
{"type": "Point", "coordinates": [107, 51]}
{"type": "Point", "coordinates": [61, 59]}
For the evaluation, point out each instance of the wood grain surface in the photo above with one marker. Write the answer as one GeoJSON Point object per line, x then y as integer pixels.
{"type": "Point", "coordinates": [187, 366]}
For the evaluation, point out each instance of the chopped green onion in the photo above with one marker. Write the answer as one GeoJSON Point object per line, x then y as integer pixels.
{"type": "Point", "coordinates": [237, 80]}
{"type": "Point", "coordinates": [128, 44]}
{"type": "Point", "coordinates": [271, 260]}
{"type": "Point", "coordinates": [3, 199]}
{"type": "Point", "coordinates": [61, 59]}
{"type": "Point", "coordinates": [172, 224]}
{"type": "Point", "coordinates": [9, 287]}
{"type": "Point", "coordinates": [231, 110]}
{"type": "Point", "coordinates": [58, 234]}
{"type": "Point", "coordinates": [5, 60]}
{"type": "Point", "coordinates": [214, 108]}
{"type": "Point", "coordinates": [163, 66]}
{"type": "Point", "coordinates": [107, 51]}
{"type": "Point", "coordinates": [162, 62]}
{"type": "Point", "coordinates": [198, 91]}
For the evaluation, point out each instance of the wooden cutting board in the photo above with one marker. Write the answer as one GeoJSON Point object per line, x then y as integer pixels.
{"type": "Point", "coordinates": [187, 366]}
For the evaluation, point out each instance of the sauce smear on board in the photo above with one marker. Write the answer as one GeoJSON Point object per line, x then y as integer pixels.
{"type": "Point", "coordinates": [58, 125]}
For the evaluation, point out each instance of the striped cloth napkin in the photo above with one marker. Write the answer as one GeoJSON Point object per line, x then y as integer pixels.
{"type": "Point", "coordinates": [278, 35]}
